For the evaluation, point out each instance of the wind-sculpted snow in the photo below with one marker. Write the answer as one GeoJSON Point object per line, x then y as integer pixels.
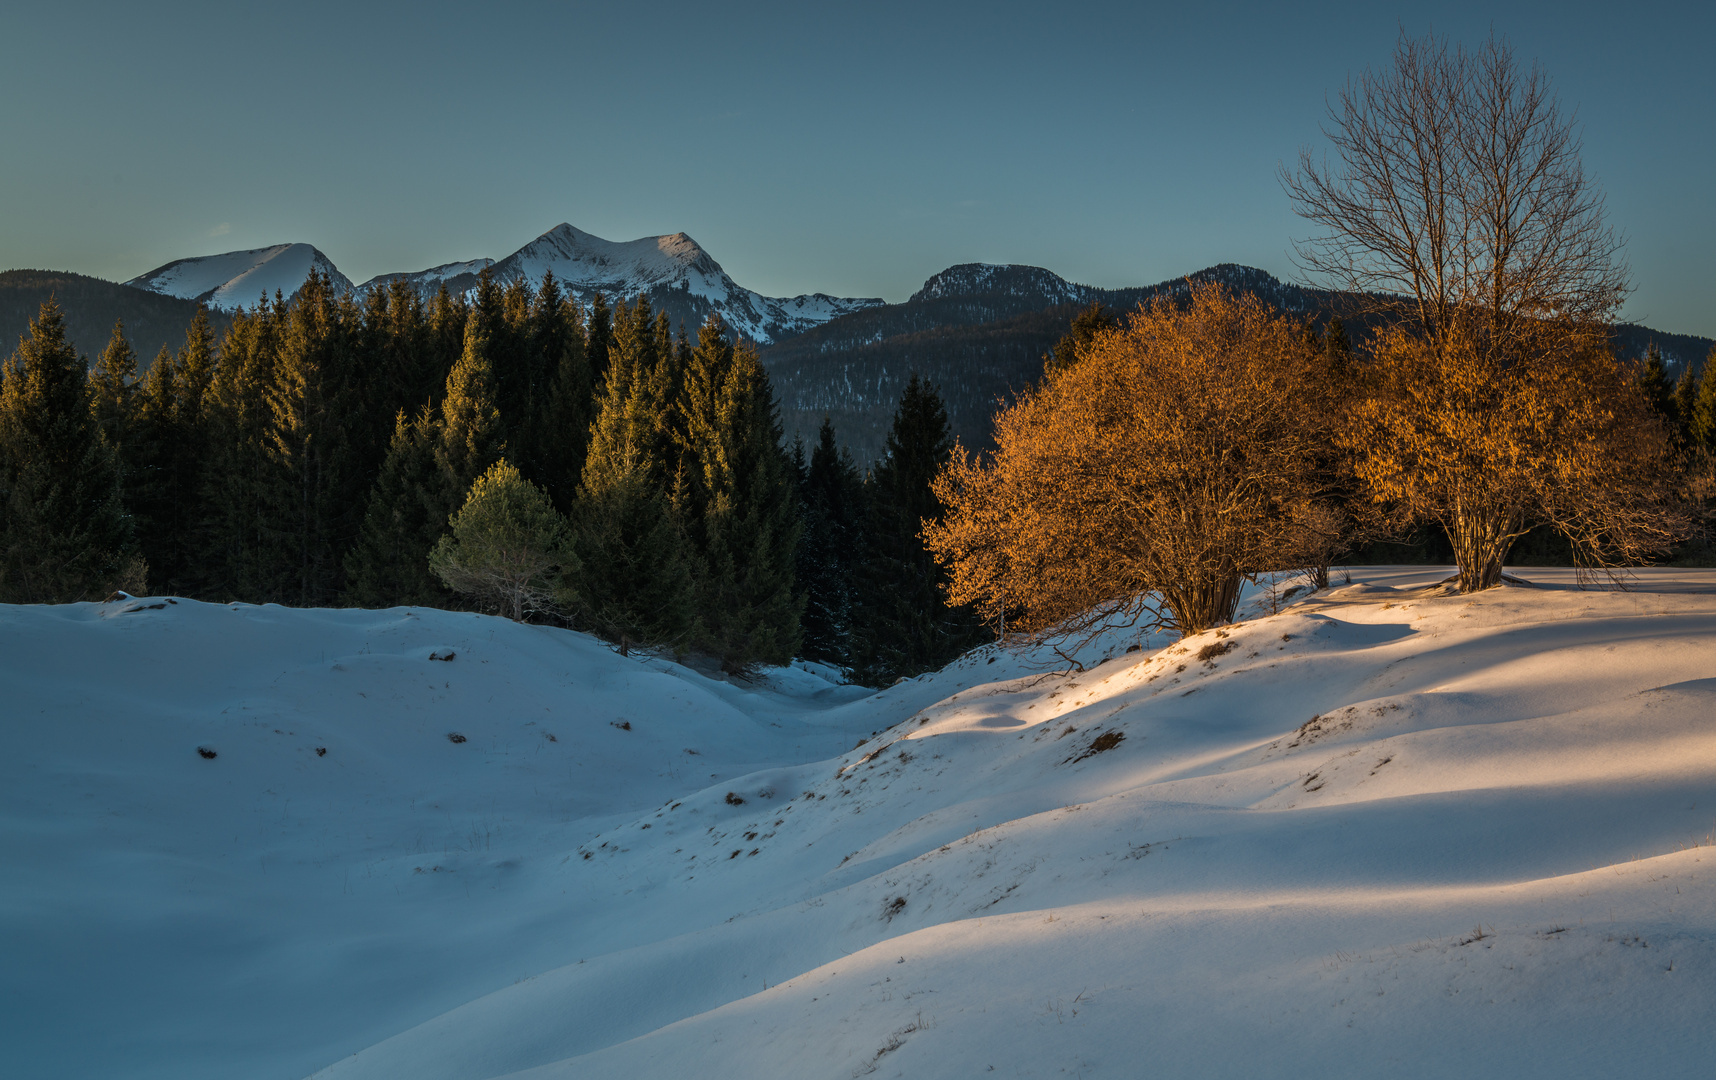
{"type": "Point", "coordinates": [1388, 830]}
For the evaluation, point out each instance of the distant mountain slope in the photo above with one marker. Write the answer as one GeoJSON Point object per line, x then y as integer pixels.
{"type": "Point", "coordinates": [91, 305]}
{"type": "Point", "coordinates": [238, 279]}
{"type": "Point", "coordinates": [980, 331]}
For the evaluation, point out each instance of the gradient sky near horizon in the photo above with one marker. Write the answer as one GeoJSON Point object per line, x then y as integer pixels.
{"type": "Point", "coordinates": [853, 150]}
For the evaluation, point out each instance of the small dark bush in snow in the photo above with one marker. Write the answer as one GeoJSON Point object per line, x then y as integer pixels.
{"type": "Point", "coordinates": [206, 751]}
{"type": "Point", "coordinates": [455, 737]}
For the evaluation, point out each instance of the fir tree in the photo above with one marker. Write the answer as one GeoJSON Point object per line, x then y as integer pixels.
{"type": "Point", "coordinates": [64, 535]}
{"type": "Point", "coordinates": [319, 483]}
{"type": "Point", "coordinates": [1085, 326]}
{"type": "Point", "coordinates": [1654, 385]}
{"type": "Point", "coordinates": [1701, 429]}
{"type": "Point", "coordinates": [172, 464]}
{"type": "Point", "coordinates": [903, 625]}
{"type": "Point", "coordinates": [831, 494]}
{"type": "Point", "coordinates": [741, 506]}
{"type": "Point", "coordinates": [1684, 400]}
{"type": "Point", "coordinates": [507, 544]}
{"type": "Point", "coordinates": [113, 397]}
{"type": "Point", "coordinates": [633, 582]}
{"type": "Point", "coordinates": [237, 555]}
{"type": "Point", "coordinates": [1337, 349]}
{"type": "Point", "coordinates": [470, 438]}
{"type": "Point", "coordinates": [403, 520]}
{"type": "Point", "coordinates": [565, 407]}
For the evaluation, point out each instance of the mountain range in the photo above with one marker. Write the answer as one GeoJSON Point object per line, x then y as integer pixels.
{"type": "Point", "coordinates": [673, 271]}
{"type": "Point", "coordinates": [977, 330]}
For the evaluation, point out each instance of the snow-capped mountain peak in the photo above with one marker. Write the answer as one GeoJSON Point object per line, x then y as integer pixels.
{"type": "Point", "coordinates": [235, 279]}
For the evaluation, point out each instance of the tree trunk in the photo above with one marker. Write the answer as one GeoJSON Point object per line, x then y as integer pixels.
{"type": "Point", "coordinates": [1206, 603]}
{"type": "Point", "coordinates": [1480, 540]}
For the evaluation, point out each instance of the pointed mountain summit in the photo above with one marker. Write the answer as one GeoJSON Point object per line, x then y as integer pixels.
{"type": "Point", "coordinates": [236, 279]}
{"type": "Point", "coordinates": [674, 271]}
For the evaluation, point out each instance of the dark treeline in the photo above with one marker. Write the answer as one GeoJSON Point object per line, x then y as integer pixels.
{"type": "Point", "coordinates": [315, 451]}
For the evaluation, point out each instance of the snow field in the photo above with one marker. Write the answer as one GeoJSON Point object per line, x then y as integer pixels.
{"type": "Point", "coordinates": [1387, 831]}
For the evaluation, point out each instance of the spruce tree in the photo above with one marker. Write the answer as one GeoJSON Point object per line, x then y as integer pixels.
{"type": "Point", "coordinates": [1701, 428]}
{"type": "Point", "coordinates": [237, 557]}
{"type": "Point", "coordinates": [64, 535]}
{"type": "Point", "coordinates": [1085, 326]}
{"type": "Point", "coordinates": [1682, 403]}
{"type": "Point", "coordinates": [506, 546]}
{"type": "Point", "coordinates": [831, 494]}
{"type": "Point", "coordinates": [1653, 383]}
{"type": "Point", "coordinates": [1337, 349]}
{"type": "Point", "coordinates": [315, 403]}
{"type": "Point", "coordinates": [902, 624]}
{"type": "Point", "coordinates": [742, 506]}
{"type": "Point", "coordinates": [633, 581]}
{"type": "Point", "coordinates": [470, 438]}
{"type": "Point", "coordinates": [174, 460]}
{"type": "Point", "coordinates": [403, 519]}
{"type": "Point", "coordinates": [113, 390]}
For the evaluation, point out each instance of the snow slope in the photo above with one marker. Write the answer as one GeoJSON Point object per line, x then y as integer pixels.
{"type": "Point", "coordinates": [237, 279]}
{"type": "Point", "coordinates": [1385, 831]}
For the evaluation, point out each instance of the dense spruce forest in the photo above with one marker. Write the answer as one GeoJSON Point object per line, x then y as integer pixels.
{"type": "Point", "coordinates": [511, 451]}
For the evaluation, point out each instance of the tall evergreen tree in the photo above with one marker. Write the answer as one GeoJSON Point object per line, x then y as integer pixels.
{"type": "Point", "coordinates": [237, 556]}
{"type": "Point", "coordinates": [1337, 349]}
{"type": "Point", "coordinates": [113, 395]}
{"type": "Point", "coordinates": [741, 505]}
{"type": "Point", "coordinates": [470, 436]}
{"type": "Point", "coordinates": [1085, 326]}
{"type": "Point", "coordinates": [1701, 426]}
{"type": "Point", "coordinates": [316, 407]}
{"type": "Point", "coordinates": [172, 462]}
{"type": "Point", "coordinates": [562, 436]}
{"type": "Point", "coordinates": [902, 624]}
{"type": "Point", "coordinates": [633, 580]}
{"type": "Point", "coordinates": [431, 462]}
{"type": "Point", "coordinates": [1653, 383]}
{"type": "Point", "coordinates": [403, 520]}
{"type": "Point", "coordinates": [1684, 399]}
{"type": "Point", "coordinates": [831, 495]}
{"type": "Point", "coordinates": [64, 535]}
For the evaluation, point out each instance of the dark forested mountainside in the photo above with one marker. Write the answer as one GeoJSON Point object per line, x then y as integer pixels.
{"type": "Point", "coordinates": [980, 332]}
{"type": "Point", "coordinates": [91, 307]}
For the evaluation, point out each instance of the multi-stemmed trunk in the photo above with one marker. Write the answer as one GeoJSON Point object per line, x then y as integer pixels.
{"type": "Point", "coordinates": [1481, 539]}
{"type": "Point", "coordinates": [1203, 602]}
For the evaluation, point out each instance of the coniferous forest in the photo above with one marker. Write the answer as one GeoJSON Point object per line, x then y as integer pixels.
{"type": "Point", "coordinates": [511, 450]}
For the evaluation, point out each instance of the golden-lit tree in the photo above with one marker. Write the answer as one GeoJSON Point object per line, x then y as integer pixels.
{"type": "Point", "coordinates": [1489, 447]}
{"type": "Point", "coordinates": [1184, 452]}
{"type": "Point", "coordinates": [1458, 208]}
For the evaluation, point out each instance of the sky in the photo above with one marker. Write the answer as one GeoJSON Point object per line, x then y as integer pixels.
{"type": "Point", "coordinates": [852, 149]}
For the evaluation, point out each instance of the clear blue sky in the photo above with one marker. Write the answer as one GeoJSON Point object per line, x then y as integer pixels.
{"type": "Point", "coordinates": [852, 150]}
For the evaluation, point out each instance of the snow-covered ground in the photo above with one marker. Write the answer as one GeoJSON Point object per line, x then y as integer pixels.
{"type": "Point", "coordinates": [1385, 831]}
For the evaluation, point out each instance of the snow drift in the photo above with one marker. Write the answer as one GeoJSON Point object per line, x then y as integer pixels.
{"type": "Point", "coordinates": [1386, 830]}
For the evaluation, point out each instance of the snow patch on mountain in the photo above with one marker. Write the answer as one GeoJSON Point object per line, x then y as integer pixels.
{"type": "Point", "coordinates": [236, 279]}
{"type": "Point", "coordinates": [674, 271]}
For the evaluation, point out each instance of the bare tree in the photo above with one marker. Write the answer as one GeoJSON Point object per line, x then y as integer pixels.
{"type": "Point", "coordinates": [1458, 193]}
{"type": "Point", "coordinates": [1457, 207]}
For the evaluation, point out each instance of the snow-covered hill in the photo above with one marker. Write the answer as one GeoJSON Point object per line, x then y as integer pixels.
{"type": "Point", "coordinates": [238, 279]}
{"type": "Point", "coordinates": [1385, 831]}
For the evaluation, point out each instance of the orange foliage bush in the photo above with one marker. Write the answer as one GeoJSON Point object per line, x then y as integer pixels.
{"type": "Point", "coordinates": [1184, 450]}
